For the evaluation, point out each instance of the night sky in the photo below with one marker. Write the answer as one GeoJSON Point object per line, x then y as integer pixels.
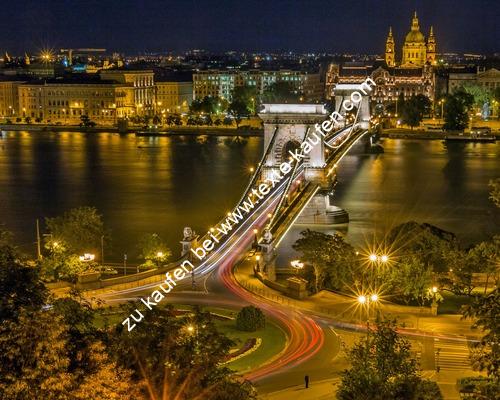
{"type": "Point", "coordinates": [299, 25]}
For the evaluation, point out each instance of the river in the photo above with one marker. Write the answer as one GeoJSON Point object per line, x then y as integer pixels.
{"type": "Point", "coordinates": [144, 185]}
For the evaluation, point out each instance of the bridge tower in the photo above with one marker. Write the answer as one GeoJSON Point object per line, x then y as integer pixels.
{"type": "Point", "coordinates": [357, 95]}
{"type": "Point", "coordinates": [286, 126]}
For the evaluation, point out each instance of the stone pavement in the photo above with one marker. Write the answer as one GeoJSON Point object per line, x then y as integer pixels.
{"type": "Point", "coordinates": [321, 390]}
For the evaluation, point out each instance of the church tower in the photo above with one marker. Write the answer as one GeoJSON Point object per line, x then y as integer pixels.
{"type": "Point", "coordinates": [431, 48]}
{"type": "Point", "coordinates": [390, 59]}
{"type": "Point", "coordinates": [414, 49]}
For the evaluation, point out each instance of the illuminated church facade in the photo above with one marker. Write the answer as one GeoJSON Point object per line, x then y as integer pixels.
{"type": "Point", "coordinates": [410, 74]}
{"type": "Point", "coordinates": [417, 50]}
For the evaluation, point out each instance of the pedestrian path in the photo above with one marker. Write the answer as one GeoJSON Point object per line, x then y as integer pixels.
{"type": "Point", "coordinates": [322, 390]}
{"type": "Point", "coordinates": [452, 354]}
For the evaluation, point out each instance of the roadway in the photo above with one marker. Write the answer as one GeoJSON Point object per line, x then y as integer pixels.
{"type": "Point", "coordinates": [313, 341]}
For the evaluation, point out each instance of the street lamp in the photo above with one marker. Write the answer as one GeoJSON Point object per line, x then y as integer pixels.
{"type": "Point", "coordinates": [297, 264]}
{"type": "Point", "coordinates": [255, 240]}
{"type": "Point", "coordinates": [159, 255]}
{"type": "Point", "coordinates": [257, 266]}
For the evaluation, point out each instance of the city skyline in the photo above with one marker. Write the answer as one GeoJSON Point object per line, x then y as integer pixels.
{"type": "Point", "coordinates": [166, 26]}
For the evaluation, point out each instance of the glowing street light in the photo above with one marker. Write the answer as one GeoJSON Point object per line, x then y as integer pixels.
{"type": "Point", "coordinates": [361, 299]}
{"type": "Point", "coordinates": [297, 264]}
{"type": "Point", "coordinates": [373, 257]}
{"type": "Point", "coordinates": [374, 297]}
{"type": "Point", "coordinates": [384, 258]}
{"type": "Point", "coordinates": [87, 257]}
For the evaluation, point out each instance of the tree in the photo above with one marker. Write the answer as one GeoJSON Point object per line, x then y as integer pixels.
{"type": "Point", "coordinates": [238, 109]}
{"type": "Point", "coordinates": [332, 259]}
{"type": "Point", "coordinates": [64, 266]}
{"type": "Point", "coordinates": [181, 359]}
{"type": "Point", "coordinates": [485, 312]}
{"type": "Point", "coordinates": [495, 191]}
{"type": "Point", "coordinates": [248, 95]}
{"type": "Point", "coordinates": [281, 92]}
{"type": "Point", "coordinates": [412, 278]}
{"type": "Point", "coordinates": [456, 109]}
{"type": "Point", "coordinates": [39, 360]}
{"type": "Point", "coordinates": [484, 257]}
{"type": "Point", "coordinates": [33, 362]}
{"type": "Point", "coordinates": [426, 241]}
{"type": "Point", "coordinates": [208, 105]}
{"type": "Point", "coordinates": [80, 229]}
{"type": "Point", "coordinates": [153, 249]}
{"type": "Point", "coordinates": [479, 94]}
{"type": "Point", "coordinates": [382, 368]}
{"type": "Point", "coordinates": [414, 110]}
{"type": "Point", "coordinates": [20, 284]}
{"type": "Point", "coordinates": [250, 319]}
{"type": "Point", "coordinates": [86, 122]}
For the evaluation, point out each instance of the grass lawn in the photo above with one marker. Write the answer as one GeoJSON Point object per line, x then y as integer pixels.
{"type": "Point", "coordinates": [452, 303]}
{"type": "Point", "coordinates": [273, 341]}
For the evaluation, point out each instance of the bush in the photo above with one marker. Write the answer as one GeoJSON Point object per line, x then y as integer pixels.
{"type": "Point", "coordinates": [250, 319]}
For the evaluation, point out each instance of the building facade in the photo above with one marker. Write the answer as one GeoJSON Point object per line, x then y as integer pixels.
{"type": "Point", "coordinates": [222, 83]}
{"type": "Point", "coordinates": [143, 83]}
{"type": "Point", "coordinates": [65, 102]}
{"type": "Point", "coordinates": [9, 99]}
{"type": "Point", "coordinates": [173, 96]}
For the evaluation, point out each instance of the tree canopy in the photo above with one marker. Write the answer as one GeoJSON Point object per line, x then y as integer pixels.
{"type": "Point", "coordinates": [79, 230]}
{"type": "Point", "coordinates": [383, 368]}
{"type": "Point", "coordinates": [332, 259]}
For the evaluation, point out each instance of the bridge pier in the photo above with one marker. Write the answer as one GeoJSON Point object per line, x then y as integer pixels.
{"type": "Point", "coordinates": [321, 211]}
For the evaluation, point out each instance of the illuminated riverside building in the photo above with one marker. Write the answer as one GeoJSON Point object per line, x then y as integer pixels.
{"type": "Point", "coordinates": [173, 97]}
{"type": "Point", "coordinates": [222, 83]}
{"type": "Point", "coordinates": [9, 99]}
{"type": "Point", "coordinates": [412, 76]}
{"type": "Point", "coordinates": [143, 83]}
{"type": "Point", "coordinates": [65, 101]}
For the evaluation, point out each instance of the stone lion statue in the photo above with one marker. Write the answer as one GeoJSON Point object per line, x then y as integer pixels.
{"type": "Point", "coordinates": [188, 233]}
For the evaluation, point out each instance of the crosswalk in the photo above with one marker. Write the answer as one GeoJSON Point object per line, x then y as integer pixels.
{"type": "Point", "coordinates": [451, 354]}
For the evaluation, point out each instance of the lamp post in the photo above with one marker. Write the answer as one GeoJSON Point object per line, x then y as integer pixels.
{"type": "Point", "coordinates": [434, 304]}
{"type": "Point", "coordinates": [255, 240]}
{"type": "Point", "coordinates": [377, 261]}
{"type": "Point", "coordinates": [297, 264]}
{"type": "Point", "coordinates": [364, 301]}
{"type": "Point", "coordinates": [159, 255]}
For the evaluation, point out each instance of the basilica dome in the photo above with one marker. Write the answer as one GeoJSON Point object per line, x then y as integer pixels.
{"type": "Point", "coordinates": [415, 37]}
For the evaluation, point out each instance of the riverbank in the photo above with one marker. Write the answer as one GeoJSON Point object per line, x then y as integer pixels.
{"type": "Point", "coordinates": [163, 131]}
{"type": "Point", "coordinates": [402, 133]}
